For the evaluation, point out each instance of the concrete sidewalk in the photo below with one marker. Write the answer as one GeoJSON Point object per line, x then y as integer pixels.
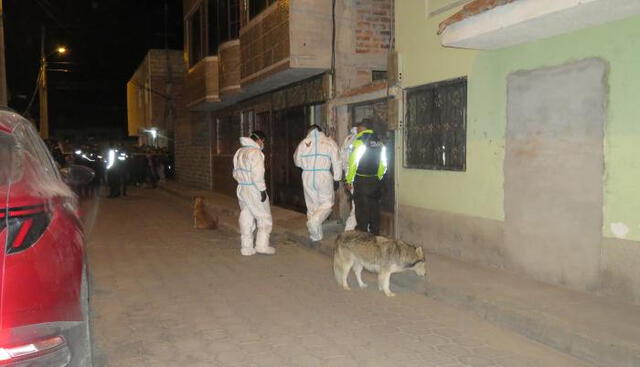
{"type": "Point", "coordinates": [591, 328]}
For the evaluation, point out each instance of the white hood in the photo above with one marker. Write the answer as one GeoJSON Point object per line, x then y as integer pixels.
{"type": "Point", "coordinates": [315, 132]}
{"type": "Point", "coordinates": [248, 142]}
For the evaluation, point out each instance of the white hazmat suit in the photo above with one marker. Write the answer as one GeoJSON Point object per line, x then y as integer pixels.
{"type": "Point", "coordinates": [248, 171]}
{"type": "Point", "coordinates": [317, 154]}
{"type": "Point", "coordinates": [345, 153]}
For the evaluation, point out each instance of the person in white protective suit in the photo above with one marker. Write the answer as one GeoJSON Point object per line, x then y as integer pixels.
{"type": "Point", "coordinates": [248, 171]}
{"type": "Point", "coordinates": [345, 153]}
{"type": "Point", "coordinates": [318, 156]}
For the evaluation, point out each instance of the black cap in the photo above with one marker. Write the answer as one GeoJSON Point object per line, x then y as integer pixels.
{"type": "Point", "coordinates": [367, 123]}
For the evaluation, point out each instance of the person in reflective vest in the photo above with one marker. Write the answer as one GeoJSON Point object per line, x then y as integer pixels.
{"type": "Point", "coordinates": [345, 153]}
{"type": "Point", "coordinates": [317, 155]}
{"type": "Point", "coordinates": [248, 171]}
{"type": "Point", "coordinates": [114, 172]}
{"type": "Point", "coordinates": [367, 167]}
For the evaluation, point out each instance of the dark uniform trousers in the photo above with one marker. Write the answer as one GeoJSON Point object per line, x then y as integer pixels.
{"type": "Point", "coordinates": [114, 178]}
{"type": "Point", "coordinates": [367, 192]}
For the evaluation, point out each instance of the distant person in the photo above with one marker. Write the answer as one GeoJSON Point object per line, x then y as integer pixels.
{"type": "Point", "coordinates": [317, 155]}
{"type": "Point", "coordinates": [255, 211]}
{"type": "Point", "coordinates": [114, 174]}
{"type": "Point", "coordinates": [150, 171]}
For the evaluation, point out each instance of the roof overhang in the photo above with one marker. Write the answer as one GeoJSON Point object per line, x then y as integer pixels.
{"type": "Point", "coordinates": [525, 21]}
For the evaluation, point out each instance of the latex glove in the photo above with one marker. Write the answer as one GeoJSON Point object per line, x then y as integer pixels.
{"type": "Point", "coordinates": [336, 185]}
{"type": "Point", "coordinates": [263, 196]}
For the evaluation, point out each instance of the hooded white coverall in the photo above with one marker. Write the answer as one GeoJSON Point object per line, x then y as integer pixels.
{"type": "Point", "coordinates": [345, 153]}
{"type": "Point", "coordinates": [248, 171]}
{"type": "Point", "coordinates": [317, 154]}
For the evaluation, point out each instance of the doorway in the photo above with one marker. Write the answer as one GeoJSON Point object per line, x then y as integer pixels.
{"type": "Point", "coordinates": [554, 172]}
{"type": "Point", "coordinates": [377, 111]}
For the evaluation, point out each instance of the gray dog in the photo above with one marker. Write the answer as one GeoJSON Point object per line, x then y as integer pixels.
{"type": "Point", "coordinates": [385, 256]}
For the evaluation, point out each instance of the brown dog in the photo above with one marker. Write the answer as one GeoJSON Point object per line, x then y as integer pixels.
{"type": "Point", "coordinates": [201, 218]}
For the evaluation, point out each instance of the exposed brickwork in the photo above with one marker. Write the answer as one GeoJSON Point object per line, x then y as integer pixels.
{"type": "Point", "coordinates": [265, 41]}
{"type": "Point", "coordinates": [193, 150]}
{"type": "Point", "coordinates": [374, 25]}
{"type": "Point", "coordinates": [471, 9]}
{"type": "Point", "coordinates": [202, 82]}
{"type": "Point", "coordinates": [229, 66]}
{"type": "Point", "coordinates": [148, 89]}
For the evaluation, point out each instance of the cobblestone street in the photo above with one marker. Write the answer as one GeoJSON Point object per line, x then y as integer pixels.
{"type": "Point", "coordinates": [164, 294]}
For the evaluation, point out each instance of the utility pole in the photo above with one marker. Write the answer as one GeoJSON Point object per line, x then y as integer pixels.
{"type": "Point", "coordinates": [3, 71]}
{"type": "Point", "coordinates": [169, 112]}
{"type": "Point", "coordinates": [44, 98]}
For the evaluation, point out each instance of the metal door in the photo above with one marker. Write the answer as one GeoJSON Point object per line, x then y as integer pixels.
{"type": "Point", "coordinates": [289, 127]}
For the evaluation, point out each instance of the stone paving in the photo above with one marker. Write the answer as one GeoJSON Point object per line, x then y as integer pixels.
{"type": "Point", "coordinates": [164, 294]}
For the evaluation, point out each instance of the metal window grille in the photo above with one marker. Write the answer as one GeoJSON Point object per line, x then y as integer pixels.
{"type": "Point", "coordinates": [436, 126]}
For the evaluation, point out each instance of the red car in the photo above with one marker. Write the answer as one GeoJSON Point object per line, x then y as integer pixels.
{"type": "Point", "coordinates": [43, 283]}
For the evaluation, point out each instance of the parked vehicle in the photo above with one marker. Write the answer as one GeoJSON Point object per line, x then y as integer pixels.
{"type": "Point", "coordinates": [43, 273]}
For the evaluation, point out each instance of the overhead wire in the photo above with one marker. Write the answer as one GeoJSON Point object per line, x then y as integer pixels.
{"type": "Point", "coordinates": [35, 92]}
{"type": "Point", "coordinates": [50, 12]}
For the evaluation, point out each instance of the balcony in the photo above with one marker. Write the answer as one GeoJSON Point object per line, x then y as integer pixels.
{"type": "Point", "coordinates": [202, 85]}
{"type": "Point", "coordinates": [282, 45]}
{"type": "Point", "coordinates": [229, 56]}
{"type": "Point", "coordinates": [494, 24]}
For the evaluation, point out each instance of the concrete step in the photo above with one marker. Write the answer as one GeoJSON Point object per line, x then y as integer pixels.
{"type": "Point", "coordinates": [592, 328]}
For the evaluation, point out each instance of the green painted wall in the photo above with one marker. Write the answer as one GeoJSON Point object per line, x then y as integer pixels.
{"type": "Point", "coordinates": [479, 190]}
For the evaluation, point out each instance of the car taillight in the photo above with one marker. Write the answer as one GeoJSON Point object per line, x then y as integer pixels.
{"type": "Point", "coordinates": [25, 226]}
{"type": "Point", "coordinates": [26, 351]}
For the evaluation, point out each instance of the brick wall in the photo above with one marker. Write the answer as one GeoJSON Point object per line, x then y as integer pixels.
{"type": "Point", "coordinates": [374, 24]}
{"type": "Point", "coordinates": [193, 150]}
{"type": "Point", "coordinates": [149, 81]}
{"type": "Point", "coordinates": [229, 66]}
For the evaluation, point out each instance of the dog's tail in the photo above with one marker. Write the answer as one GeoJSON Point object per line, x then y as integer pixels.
{"type": "Point", "coordinates": [339, 260]}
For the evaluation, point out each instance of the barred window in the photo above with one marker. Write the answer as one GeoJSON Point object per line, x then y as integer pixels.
{"type": "Point", "coordinates": [436, 126]}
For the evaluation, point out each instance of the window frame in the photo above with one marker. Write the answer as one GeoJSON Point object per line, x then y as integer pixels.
{"type": "Point", "coordinates": [406, 130]}
{"type": "Point", "coordinates": [251, 4]}
{"type": "Point", "coordinates": [200, 11]}
{"type": "Point", "coordinates": [232, 24]}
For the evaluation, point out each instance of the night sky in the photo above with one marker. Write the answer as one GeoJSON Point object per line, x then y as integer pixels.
{"type": "Point", "coordinates": [107, 40]}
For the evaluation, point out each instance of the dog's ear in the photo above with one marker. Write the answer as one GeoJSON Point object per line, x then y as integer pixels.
{"type": "Point", "coordinates": [419, 251]}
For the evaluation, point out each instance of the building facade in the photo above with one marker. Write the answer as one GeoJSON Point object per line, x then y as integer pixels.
{"type": "Point", "coordinates": [517, 148]}
{"type": "Point", "coordinates": [154, 98]}
{"type": "Point", "coordinates": [279, 66]}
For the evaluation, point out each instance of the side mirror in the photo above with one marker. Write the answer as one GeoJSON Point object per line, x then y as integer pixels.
{"type": "Point", "coordinates": [77, 175]}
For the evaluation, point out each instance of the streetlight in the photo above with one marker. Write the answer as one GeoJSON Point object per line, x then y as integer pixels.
{"type": "Point", "coordinates": [43, 87]}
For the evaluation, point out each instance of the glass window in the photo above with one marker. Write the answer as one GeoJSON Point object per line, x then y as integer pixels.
{"type": "Point", "coordinates": [234, 19]}
{"type": "Point", "coordinates": [223, 22]}
{"type": "Point", "coordinates": [436, 126]}
{"type": "Point", "coordinates": [195, 37]}
{"type": "Point", "coordinates": [257, 6]}
{"type": "Point", "coordinates": [212, 27]}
